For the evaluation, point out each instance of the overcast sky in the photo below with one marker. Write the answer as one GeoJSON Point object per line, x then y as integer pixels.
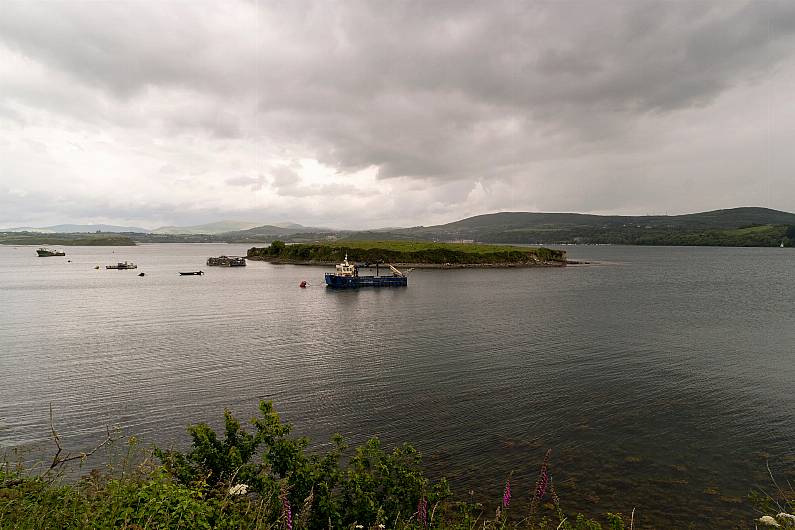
{"type": "Point", "coordinates": [386, 113]}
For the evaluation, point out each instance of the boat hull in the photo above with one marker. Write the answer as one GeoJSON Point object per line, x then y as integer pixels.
{"type": "Point", "coordinates": [354, 282]}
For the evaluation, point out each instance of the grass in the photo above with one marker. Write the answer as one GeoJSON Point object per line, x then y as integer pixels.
{"type": "Point", "coordinates": [417, 246]}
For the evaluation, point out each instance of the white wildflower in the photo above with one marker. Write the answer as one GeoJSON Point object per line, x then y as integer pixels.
{"type": "Point", "coordinates": [766, 519]}
{"type": "Point", "coordinates": [381, 526]}
{"type": "Point", "coordinates": [238, 489]}
{"type": "Point", "coordinates": [359, 526]}
{"type": "Point", "coordinates": [787, 518]}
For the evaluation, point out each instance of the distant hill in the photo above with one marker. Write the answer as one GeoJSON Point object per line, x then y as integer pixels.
{"type": "Point", "coordinates": [224, 227]}
{"type": "Point", "coordinates": [71, 239]}
{"type": "Point", "coordinates": [731, 218]}
{"type": "Point", "coordinates": [288, 224]}
{"type": "Point", "coordinates": [289, 231]}
{"type": "Point", "coordinates": [219, 227]}
{"type": "Point", "coordinates": [77, 229]}
{"type": "Point", "coordinates": [731, 227]}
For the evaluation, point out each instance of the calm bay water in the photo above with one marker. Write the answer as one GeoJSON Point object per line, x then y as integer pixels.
{"type": "Point", "coordinates": [662, 378]}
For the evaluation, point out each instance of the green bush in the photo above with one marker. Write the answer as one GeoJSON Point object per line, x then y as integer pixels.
{"type": "Point", "coordinates": [374, 485]}
{"type": "Point", "coordinates": [260, 478]}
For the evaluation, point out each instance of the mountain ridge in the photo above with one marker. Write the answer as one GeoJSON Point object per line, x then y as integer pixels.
{"type": "Point", "coordinates": [724, 218]}
{"type": "Point", "coordinates": [693, 228]}
{"type": "Point", "coordinates": [743, 226]}
{"type": "Point", "coordinates": [216, 227]}
{"type": "Point", "coordinates": [78, 229]}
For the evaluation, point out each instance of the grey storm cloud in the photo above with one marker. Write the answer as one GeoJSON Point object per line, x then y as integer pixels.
{"type": "Point", "coordinates": [437, 91]}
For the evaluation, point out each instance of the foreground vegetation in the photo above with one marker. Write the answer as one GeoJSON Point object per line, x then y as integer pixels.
{"type": "Point", "coordinates": [263, 478]}
{"type": "Point", "coordinates": [408, 252]}
{"type": "Point", "coordinates": [37, 238]}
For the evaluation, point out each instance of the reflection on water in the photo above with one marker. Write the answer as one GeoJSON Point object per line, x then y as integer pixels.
{"type": "Point", "coordinates": [660, 378]}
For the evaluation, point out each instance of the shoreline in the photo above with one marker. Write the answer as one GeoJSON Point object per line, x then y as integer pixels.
{"type": "Point", "coordinates": [502, 265]}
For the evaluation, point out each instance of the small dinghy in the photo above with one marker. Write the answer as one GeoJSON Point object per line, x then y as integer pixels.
{"type": "Point", "coordinates": [191, 273]}
{"type": "Point", "coordinates": [141, 274]}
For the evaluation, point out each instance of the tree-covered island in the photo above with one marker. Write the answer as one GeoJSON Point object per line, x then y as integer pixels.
{"type": "Point", "coordinates": [413, 253]}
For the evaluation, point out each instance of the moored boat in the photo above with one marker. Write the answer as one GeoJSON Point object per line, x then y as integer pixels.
{"type": "Point", "coordinates": [347, 277]}
{"type": "Point", "coordinates": [191, 273]}
{"type": "Point", "coordinates": [226, 261]}
{"type": "Point", "coordinates": [122, 265]}
{"type": "Point", "coordinates": [46, 252]}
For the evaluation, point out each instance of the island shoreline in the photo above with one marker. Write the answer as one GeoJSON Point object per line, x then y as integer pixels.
{"type": "Point", "coordinates": [499, 265]}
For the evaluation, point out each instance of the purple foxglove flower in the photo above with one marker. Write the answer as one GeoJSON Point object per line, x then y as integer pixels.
{"type": "Point", "coordinates": [422, 512]}
{"type": "Point", "coordinates": [541, 483]}
{"type": "Point", "coordinates": [287, 513]}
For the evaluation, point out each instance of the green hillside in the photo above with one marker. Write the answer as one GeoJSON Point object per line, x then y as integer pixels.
{"type": "Point", "coordinates": [35, 238]}
{"type": "Point", "coordinates": [757, 227]}
{"type": "Point", "coordinates": [733, 227]}
{"type": "Point", "coordinates": [716, 219]}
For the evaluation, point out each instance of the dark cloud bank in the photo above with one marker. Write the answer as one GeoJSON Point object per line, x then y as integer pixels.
{"type": "Point", "coordinates": [457, 107]}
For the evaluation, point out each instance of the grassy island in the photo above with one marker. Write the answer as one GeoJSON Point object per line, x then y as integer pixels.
{"type": "Point", "coordinates": [414, 253]}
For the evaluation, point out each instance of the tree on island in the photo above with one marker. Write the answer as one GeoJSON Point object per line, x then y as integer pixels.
{"type": "Point", "coordinates": [276, 247]}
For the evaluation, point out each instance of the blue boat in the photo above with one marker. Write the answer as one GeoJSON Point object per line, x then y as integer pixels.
{"type": "Point", "coordinates": [347, 277]}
